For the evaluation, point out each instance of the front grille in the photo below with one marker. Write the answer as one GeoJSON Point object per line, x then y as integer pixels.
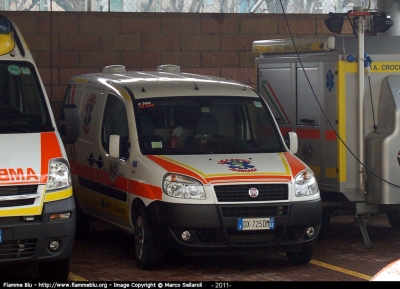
{"type": "Point", "coordinates": [240, 193]}
{"type": "Point", "coordinates": [15, 196]}
{"type": "Point", "coordinates": [17, 249]}
{"type": "Point", "coordinates": [254, 211]}
{"type": "Point", "coordinates": [16, 203]}
{"type": "Point", "coordinates": [18, 190]}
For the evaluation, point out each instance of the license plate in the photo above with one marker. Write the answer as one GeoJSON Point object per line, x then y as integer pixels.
{"type": "Point", "coordinates": [256, 224]}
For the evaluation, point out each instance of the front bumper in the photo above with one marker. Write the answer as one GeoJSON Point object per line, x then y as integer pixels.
{"type": "Point", "coordinates": [29, 240]}
{"type": "Point", "coordinates": [214, 227]}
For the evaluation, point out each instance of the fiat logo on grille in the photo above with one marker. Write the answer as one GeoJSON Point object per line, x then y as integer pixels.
{"type": "Point", "coordinates": [253, 192]}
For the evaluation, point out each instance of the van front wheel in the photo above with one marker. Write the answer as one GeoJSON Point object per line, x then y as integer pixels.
{"type": "Point", "coordinates": [303, 256]}
{"type": "Point", "coordinates": [146, 251]}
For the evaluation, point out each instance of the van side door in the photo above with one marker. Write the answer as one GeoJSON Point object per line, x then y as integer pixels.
{"type": "Point", "coordinates": [112, 179]}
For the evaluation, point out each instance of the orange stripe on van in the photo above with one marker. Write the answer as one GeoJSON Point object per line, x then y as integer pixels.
{"type": "Point", "coordinates": [228, 176]}
{"type": "Point", "coordinates": [308, 133]}
{"type": "Point", "coordinates": [173, 167]}
{"type": "Point", "coordinates": [144, 190]}
{"type": "Point", "coordinates": [120, 183]}
{"type": "Point", "coordinates": [330, 135]}
{"type": "Point", "coordinates": [49, 148]}
{"type": "Point", "coordinates": [295, 164]}
{"type": "Point", "coordinates": [85, 171]}
{"type": "Point", "coordinates": [102, 177]}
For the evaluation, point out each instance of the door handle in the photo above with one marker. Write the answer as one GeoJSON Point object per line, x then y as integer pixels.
{"type": "Point", "coordinates": [99, 162]}
{"type": "Point", "coordinates": [90, 159]}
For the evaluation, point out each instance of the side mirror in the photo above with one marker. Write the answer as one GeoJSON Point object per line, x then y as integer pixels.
{"type": "Point", "coordinates": [69, 124]}
{"type": "Point", "coordinates": [113, 148]}
{"type": "Point", "coordinates": [292, 141]}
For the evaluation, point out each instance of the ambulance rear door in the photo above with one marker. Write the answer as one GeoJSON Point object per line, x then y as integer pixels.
{"type": "Point", "coordinates": [295, 91]}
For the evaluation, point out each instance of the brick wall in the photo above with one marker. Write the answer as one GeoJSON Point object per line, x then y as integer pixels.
{"type": "Point", "coordinates": [69, 43]}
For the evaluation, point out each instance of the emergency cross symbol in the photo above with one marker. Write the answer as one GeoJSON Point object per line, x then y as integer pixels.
{"type": "Point", "coordinates": [329, 80]}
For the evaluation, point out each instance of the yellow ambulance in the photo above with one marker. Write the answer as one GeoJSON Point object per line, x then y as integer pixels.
{"type": "Point", "coordinates": [37, 208]}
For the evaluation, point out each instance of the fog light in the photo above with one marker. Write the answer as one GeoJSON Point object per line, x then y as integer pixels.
{"type": "Point", "coordinates": [185, 236]}
{"type": "Point", "coordinates": [60, 216]}
{"type": "Point", "coordinates": [310, 232]}
{"type": "Point", "coordinates": [29, 218]}
{"type": "Point", "coordinates": [54, 245]}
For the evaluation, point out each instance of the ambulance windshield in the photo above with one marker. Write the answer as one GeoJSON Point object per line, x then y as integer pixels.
{"type": "Point", "coordinates": [209, 124]}
{"type": "Point", "coordinates": [22, 104]}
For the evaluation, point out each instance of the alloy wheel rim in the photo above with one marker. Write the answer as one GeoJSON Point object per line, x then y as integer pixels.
{"type": "Point", "coordinates": [139, 237]}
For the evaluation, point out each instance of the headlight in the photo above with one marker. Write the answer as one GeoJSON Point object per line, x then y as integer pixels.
{"type": "Point", "coordinates": [178, 186]}
{"type": "Point", "coordinates": [306, 184]}
{"type": "Point", "coordinates": [59, 175]}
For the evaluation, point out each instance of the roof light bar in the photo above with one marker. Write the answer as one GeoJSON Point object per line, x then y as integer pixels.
{"type": "Point", "coordinates": [286, 45]}
{"type": "Point", "coordinates": [113, 69]}
{"type": "Point", "coordinates": [171, 68]}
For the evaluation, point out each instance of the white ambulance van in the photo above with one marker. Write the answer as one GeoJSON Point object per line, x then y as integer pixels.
{"type": "Point", "coordinates": [37, 208]}
{"type": "Point", "coordinates": [189, 163]}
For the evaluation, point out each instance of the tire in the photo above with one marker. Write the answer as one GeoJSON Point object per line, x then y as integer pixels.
{"type": "Point", "coordinates": [54, 271]}
{"type": "Point", "coordinates": [394, 219]}
{"type": "Point", "coordinates": [301, 257]}
{"type": "Point", "coordinates": [147, 254]}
